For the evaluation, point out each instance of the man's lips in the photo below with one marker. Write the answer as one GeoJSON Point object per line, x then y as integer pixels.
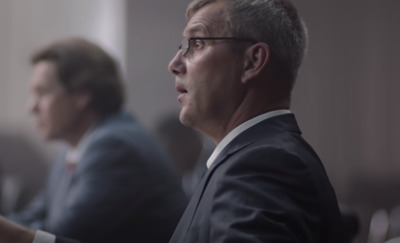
{"type": "Point", "coordinates": [180, 88]}
{"type": "Point", "coordinates": [182, 91]}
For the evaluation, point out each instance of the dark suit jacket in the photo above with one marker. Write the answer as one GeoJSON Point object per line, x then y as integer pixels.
{"type": "Point", "coordinates": [267, 185]}
{"type": "Point", "coordinates": [123, 188]}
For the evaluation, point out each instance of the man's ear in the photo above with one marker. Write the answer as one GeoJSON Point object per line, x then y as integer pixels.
{"type": "Point", "coordinates": [82, 100]}
{"type": "Point", "coordinates": [256, 58]}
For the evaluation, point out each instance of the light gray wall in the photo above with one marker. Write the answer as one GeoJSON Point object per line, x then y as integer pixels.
{"type": "Point", "coordinates": [346, 97]}
{"type": "Point", "coordinates": [153, 36]}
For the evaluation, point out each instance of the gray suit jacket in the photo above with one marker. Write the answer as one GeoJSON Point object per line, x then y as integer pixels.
{"type": "Point", "coordinates": [267, 185]}
{"type": "Point", "coordinates": [123, 188]}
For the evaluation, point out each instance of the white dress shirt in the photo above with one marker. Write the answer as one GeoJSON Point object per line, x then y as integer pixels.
{"type": "Point", "coordinates": [43, 237]}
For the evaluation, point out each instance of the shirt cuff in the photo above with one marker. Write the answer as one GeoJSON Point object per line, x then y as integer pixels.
{"type": "Point", "coordinates": [43, 237]}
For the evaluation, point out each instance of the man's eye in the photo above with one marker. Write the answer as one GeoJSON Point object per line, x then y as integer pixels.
{"type": "Point", "coordinates": [197, 44]}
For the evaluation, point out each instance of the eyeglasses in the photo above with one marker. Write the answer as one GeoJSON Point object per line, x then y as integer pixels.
{"type": "Point", "coordinates": [189, 42]}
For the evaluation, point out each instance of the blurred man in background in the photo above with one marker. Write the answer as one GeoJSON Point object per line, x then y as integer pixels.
{"type": "Point", "coordinates": [113, 183]}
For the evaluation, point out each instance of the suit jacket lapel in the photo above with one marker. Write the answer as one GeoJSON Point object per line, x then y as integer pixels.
{"type": "Point", "coordinates": [191, 209]}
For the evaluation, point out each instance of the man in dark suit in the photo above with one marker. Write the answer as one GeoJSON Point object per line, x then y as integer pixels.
{"type": "Point", "coordinates": [113, 183]}
{"type": "Point", "coordinates": [235, 71]}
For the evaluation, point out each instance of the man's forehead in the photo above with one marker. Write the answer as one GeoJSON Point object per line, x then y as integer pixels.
{"type": "Point", "coordinates": [44, 74]}
{"type": "Point", "coordinates": [208, 20]}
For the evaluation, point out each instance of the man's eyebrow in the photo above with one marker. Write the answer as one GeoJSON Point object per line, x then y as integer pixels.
{"type": "Point", "coordinates": [196, 30]}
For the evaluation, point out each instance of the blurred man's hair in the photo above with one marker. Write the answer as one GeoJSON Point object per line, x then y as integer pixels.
{"type": "Point", "coordinates": [83, 66]}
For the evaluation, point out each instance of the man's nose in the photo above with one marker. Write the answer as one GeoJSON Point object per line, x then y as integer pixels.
{"type": "Point", "coordinates": [177, 66]}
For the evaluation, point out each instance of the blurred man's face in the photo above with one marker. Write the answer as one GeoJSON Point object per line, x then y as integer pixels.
{"type": "Point", "coordinates": [55, 110]}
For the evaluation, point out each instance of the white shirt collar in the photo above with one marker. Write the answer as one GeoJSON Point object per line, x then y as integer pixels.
{"type": "Point", "coordinates": [74, 154]}
{"type": "Point", "coordinates": [241, 128]}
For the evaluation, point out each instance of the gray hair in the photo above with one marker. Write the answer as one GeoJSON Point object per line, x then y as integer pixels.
{"type": "Point", "coordinates": [274, 22]}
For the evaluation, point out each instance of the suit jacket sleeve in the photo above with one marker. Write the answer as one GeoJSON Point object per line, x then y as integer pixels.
{"type": "Point", "coordinates": [272, 201]}
{"type": "Point", "coordinates": [33, 215]}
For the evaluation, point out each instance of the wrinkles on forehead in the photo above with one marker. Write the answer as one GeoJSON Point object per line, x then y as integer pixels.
{"type": "Point", "coordinates": [197, 30]}
{"type": "Point", "coordinates": [208, 21]}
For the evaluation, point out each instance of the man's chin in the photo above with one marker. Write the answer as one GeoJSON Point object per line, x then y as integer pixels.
{"type": "Point", "coordinates": [186, 118]}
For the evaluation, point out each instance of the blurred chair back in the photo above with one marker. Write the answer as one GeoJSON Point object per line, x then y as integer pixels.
{"type": "Point", "coordinates": [379, 226]}
{"type": "Point", "coordinates": [394, 223]}
{"type": "Point", "coordinates": [394, 240]}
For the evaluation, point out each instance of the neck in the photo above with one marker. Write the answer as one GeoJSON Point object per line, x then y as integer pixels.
{"type": "Point", "coordinates": [251, 107]}
{"type": "Point", "coordinates": [83, 124]}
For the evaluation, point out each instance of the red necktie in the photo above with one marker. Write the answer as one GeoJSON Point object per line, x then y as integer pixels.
{"type": "Point", "coordinates": [70, 165]}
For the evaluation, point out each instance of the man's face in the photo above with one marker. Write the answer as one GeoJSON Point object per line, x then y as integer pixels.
{"type": "Point", "coordinates": [55, 110]}
{"type": "Point", "coordinates": [208, 76]}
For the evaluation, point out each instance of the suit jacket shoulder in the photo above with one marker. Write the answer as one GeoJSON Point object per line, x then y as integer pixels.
{"type": "Point", "coordinates": [268, 185]}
